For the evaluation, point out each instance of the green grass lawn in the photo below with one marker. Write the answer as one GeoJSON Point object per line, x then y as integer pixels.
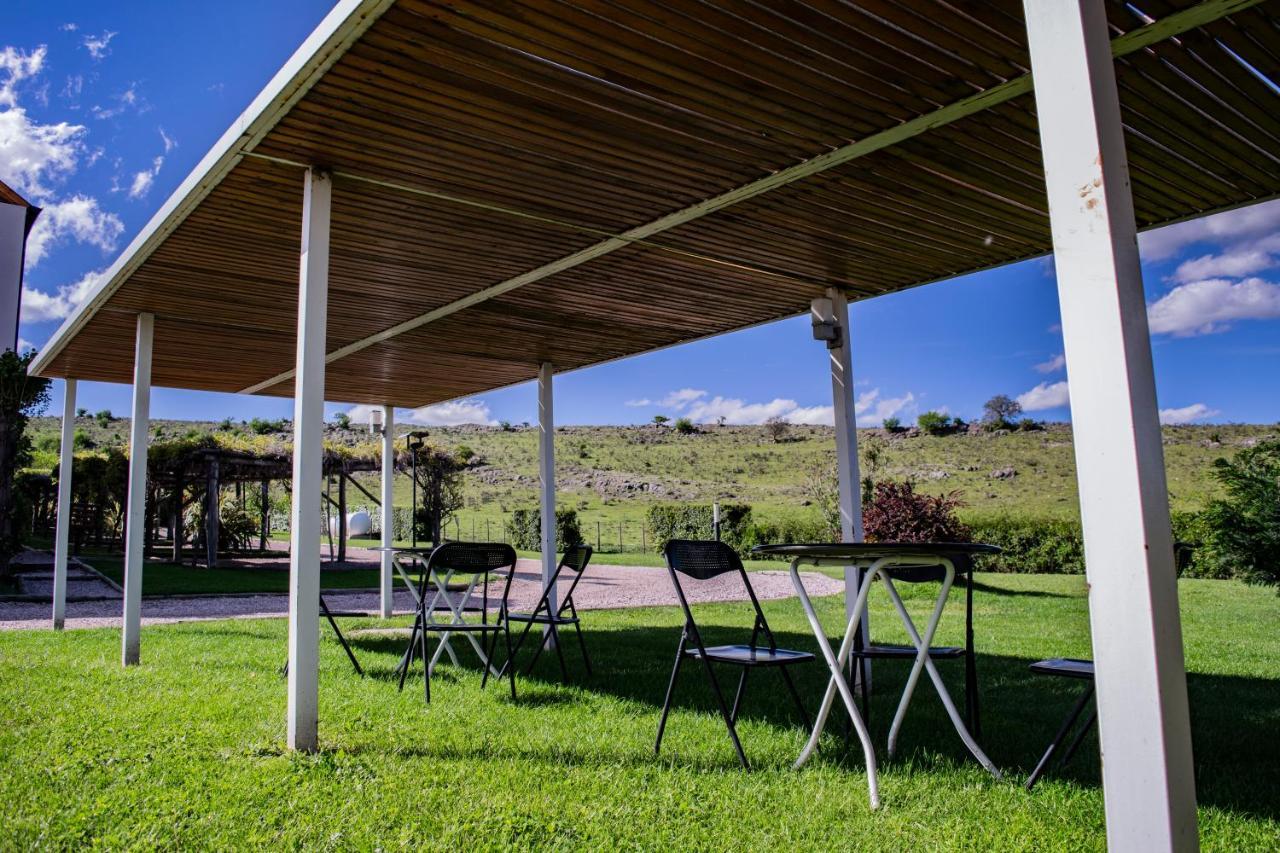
{"type": "Point", "coordinates": [172, 579]}
{"type": "Point", "coordinates": [186, 750]}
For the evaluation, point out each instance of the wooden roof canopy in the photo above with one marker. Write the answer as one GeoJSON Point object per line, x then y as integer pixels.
{"type": "Point", "coordinates": [518, 182]}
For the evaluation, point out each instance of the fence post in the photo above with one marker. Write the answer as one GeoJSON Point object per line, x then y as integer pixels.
{"type": "Point", "coordinates": [597, 535]}
{"type": "Point", "coordinates": [620, 545]}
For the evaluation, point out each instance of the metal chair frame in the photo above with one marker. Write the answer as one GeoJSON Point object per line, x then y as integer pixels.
{"type": "Point", "coordinates": [1081, 670]}
{"type": "Point", "coordinates": [719, 558]}
{"type": "Point", "coordinates": [468, 558]}
{"type": "Point", "coordinates": [576, 558]}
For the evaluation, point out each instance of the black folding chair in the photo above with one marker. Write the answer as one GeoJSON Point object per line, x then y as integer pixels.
{"type": "Point", "coordinates": [1081, 670]}
{"type": "Point", "coordinates": [332, 616]}
{"type": "Point", "coordinates": [479, 560]}
{"type": "Point", "coordinates": [575, 559]}
{"type": "Point", "coordinates": [862, 653]}
{"type": "Point", "coordinates": [702, 561]}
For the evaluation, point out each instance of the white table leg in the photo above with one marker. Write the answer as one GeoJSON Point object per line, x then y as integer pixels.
{"type": "Point", "coordinates": [456, 607]}
{"type": "Point", "coordinates": [441, 592]}
{"type": "Point", "coordinates": [923, 660]}
{"type": "Point", "coordinates": [838, 682]}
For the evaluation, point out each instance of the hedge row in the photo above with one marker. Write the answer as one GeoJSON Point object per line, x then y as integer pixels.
{"type": "Point", "coordinates": [667, 521]}
{"type": "Point", "coordinates": [525, 529]}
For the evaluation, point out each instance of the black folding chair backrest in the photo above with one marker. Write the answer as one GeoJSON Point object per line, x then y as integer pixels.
{"type": "Point", "coordinates": [703, 560]}
{"type": "Point", "coordinates": [575, 559]}
{"type": "Point", "coordinates": [473, 558]}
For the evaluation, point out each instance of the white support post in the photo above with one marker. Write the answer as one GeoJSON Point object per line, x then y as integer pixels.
{"type": "Point", "coordinates": [834, 311]}
{"type": "Point", "coordinates": [308, 430]}
{"type": "Point", "coordinates": [388, 513]}
{"type": "Point", "coordinates": [1143, 723]}
{"type": "Point", "coordinates": [136, 505]}
{"type": "Point", "coordinates": [547, 475]}
{"type": "Point", "coordinates": [62, 532]}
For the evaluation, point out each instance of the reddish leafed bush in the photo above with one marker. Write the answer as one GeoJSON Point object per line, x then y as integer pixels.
{"type": "Point", "coordinates": [895, 512]}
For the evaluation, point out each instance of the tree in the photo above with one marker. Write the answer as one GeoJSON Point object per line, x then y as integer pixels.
{"type": "Point", "coordinates": [1242, 529]}
{"type": "Point", "coordinates": [777, 428]}
{"type": "Point", "coordinates": [684, 426]}
{"type": "Point", "coordinates": [21, 396]}
{"type": "Point", "coordinates": [999, 411]}
{"type": "Point", "coordinates": [892, 424]}
{"type": "Point", "coordinates": [104, 418]}
{"type": "Point", "coordinates": [660, 419]}
{"type": "Point", "coordinates": [343, 420]}
{"type": "Point", "coordinates": [82, 412]}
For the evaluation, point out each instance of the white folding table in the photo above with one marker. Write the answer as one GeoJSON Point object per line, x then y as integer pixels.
{"type": "Point", "coordinates": [879, 560]}
{"type": "Point", "coordinates": [439, 587]}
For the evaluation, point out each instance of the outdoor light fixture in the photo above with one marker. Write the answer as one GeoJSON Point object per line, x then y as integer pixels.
{"type": "Point", "coordinates": [825, 327]}
{"type": "Point", "coordinates": [375, 421]}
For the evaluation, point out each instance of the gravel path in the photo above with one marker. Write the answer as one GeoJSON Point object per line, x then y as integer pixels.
{"type": "Point", "coordinates": [603, 587]}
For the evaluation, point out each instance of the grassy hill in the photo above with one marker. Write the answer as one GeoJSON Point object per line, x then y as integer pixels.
{"type": "Point", "coordinates": [609, 474]}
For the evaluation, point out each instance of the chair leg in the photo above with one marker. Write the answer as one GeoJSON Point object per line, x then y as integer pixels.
{"type": "Point", "coordinates": [582, 644]}
{"type": "Point", "coordinates": [406, 661]}
{"type": "Point", "coordinates": [506, 632]}
{"type": "Point", "coordinates": [518, 647]}
{"type": "Point", "coordinates": [537, 653]}
{"type": "Point", "coordinates": [426, 665]}
{"type": "Point", "coordinates": [724, 711]}
{"type": "Point", "coordinates": [671, 689]}
{"type": "Point", "coordinates": [795, 695]}
{"type": "Point", "coordinates": [737, 695]}
{"type": "Point", "coordinates": [341, 639]}
{"type": "Point", "coordinates": [491, 646]}
{"type": "Point", "coordinates": [1043, 764]}
{"type": "Point", "coordinates": [1075, 743]}
{"type": "Point", "coordinates": [555, 635]}
{"type": "Point", "coordinates": [972, 717]}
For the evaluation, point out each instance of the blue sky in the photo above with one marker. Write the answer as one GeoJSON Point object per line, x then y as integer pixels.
{"type": "Point", "coordinates": [105, 107]}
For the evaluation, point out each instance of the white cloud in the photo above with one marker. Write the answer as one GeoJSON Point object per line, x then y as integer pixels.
{"type": "Point", "coordinates": [1205, 307]}
{"type": "Point", "coordinates": [37, 156]}
{"type": "Point", "coordinates": [639, 404]}
{"type": "Point", "coordinates": [99, 46]}
{"type": "Point", "coordinates": [41, 307]}
{"type": "Point", "coordinates": [143, 180]}
{"type": "Point", "coordinates": [1231, 264]}
{"type": "Point", "coordinates": [680, 399]}
{"type": "Point", "coordinates": [69, 27]}
{"type": "Point", "coordinates": [1232, 226]}
{"type": "Point", "coordinates": [1053, 365]}
{"type": "Point", "coordinates": [18, 65]}
{"type": "Point", "coordinates": [78, 218]}
{"type": "Point", "coordinates": [169, 142]}
{"type": "Point", "coordinates": [871, 410]}
{"type": "Point", "coordinates": [126, 100]}
{"type": "Point", "coordinates": [455, 413]}
{"type": "Point", "coordinates": [1187, 414]}
{"type": "Point", "coordinates": [24, 345]}
{"type": "Point", "coordinates": [1045, 396]}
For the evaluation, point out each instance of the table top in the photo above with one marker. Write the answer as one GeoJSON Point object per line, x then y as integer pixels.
{"type": "Point", "coordinates": [862, 551]}
{"type": "Point", "coordinates": [420, 550]}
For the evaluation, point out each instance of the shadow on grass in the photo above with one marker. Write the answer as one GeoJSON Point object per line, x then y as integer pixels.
{"type": "Point", "coordinates": [1234, 719]}
{"type": "Point", "coordinates": [1006, 592]}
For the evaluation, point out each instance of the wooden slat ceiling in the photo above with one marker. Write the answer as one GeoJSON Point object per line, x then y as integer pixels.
{"type": "Point", "coordinates": [590, 118]}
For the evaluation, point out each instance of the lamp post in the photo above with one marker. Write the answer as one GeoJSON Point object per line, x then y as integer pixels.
{"type": "Point", "coordinates": [416, 440]}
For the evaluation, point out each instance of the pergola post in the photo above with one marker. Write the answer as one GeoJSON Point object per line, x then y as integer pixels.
{"type": "Point", "coordinates": [135, 506]}
{"type": "Point", "coordinates": [212, 509]}
{"type": "Point", "coordinates": [308, 431]}
{"type": "Point", "coordinates": [62, 529]}
{"type": "Point", "coordinates": [386, 599]}
{"type": "Point", "coordinates": [547, 477]}
{"type": "Point", "coordinates": [1143, 724]}
{"type": "Point", "coordinates": [833, 312]}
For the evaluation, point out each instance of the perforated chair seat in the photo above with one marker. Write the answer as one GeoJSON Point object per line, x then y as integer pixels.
{"type": "Point", "coordinates": [750, 655]}
{"type": "Point", "coordinates": [543, 619]}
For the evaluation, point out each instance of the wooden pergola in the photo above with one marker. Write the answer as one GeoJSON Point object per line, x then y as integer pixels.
{"type": "Point", "coordinates": [487, 192]}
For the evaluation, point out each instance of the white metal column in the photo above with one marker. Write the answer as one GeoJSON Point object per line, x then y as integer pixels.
{"type": "Point", "coordinates": [547, 475]}
{"type": "Point", "coordinates": [62, 532]}
{"type": "Point", "coordinates": [136, 505]}
{"type": "Point", "coordinates": [834, 310]}
{"type": "Point", "coordinates": [308, 431]}
{"type": "Point", "coordinates": [388, 513]}
{"type": "Point", "coordinates": [1147, 769]}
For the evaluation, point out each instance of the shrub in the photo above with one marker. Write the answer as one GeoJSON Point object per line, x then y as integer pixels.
{"type": "Point", "coordinates": [1030, 425]}
{"type": "Point", "coordinates": [259, 426]}
{"type": "Point", "coordinates": [104, 418]}
{"type": "Point", "coordinates": [343, 420]}
{"type": "Point", "coordinates": [896, 512]}
{"type": "Point", "coordinates": [525, 528]}
{"type": "Point", "coordinates": [505, 426]}
{"type": "Point", "coordinates": [82, 412]}
{"type": "Point", "coordinates": [464, 453]}
{"type": "Point", "coordinates": [667, 521]}
{"type": "Point", "coordinates": [892, 424]}
{"type": "Point", "coordinates": [1029, 544]}
{"type": "Point", "coordinates": [788, 531]}
{"type": "Point", "coordinates": [934, 423]}
{"type": "Point", "coordinates": [684, 426]}
{"type": "Point", "coordinates": [80, 440]}
{"type": "Point", "coordinates": [1241, 531]}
